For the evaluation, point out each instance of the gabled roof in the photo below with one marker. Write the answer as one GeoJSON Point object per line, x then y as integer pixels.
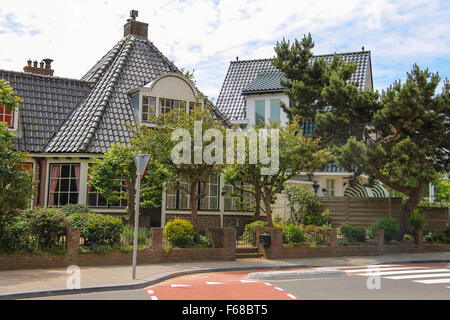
{"type": "Point", "coordinates": [260, 76]}
{"type": "Point", "coordinates": [47, 103]}
{"type": "Point", "coordinates": [98, 122]}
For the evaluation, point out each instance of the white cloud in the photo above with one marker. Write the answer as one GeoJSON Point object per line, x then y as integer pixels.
{"type": "Point", "coordinates": [205, 35]}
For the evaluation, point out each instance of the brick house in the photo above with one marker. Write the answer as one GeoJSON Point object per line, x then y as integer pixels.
{"type": "Point", "coordinates": [64, 124]}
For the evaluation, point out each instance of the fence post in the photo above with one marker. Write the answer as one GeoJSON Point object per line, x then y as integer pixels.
{"type": "Point", "coordinates": [379, 236]}
{"type": "Point", "coordinates": [73, 241]}
{"type": "Point", "coordinates": [157, 239]}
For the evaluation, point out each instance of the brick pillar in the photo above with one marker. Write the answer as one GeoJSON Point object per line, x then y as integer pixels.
{"type": "Point", "coordinates": [216, 236]}
{"type": "Point", "coordinates": [332, 238]}
{"type": "Point", "coordinates": [229, 238]}
{"type": "Point", "coordinates": [157, 238]}
{"type": "Point", "coordinates": [276, 243]}
{"type": "Point", "coordinates": [379, 236]}
{"type": "Point", "coordinates": [73, 241]}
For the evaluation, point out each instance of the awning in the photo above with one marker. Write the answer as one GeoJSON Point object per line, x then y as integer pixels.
{"type": "Point", "coordinates": [362, 191]}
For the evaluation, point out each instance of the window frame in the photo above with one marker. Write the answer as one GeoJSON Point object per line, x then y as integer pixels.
{"type": "Point", "coordinates": [178, 196]}
{"type": "Point", "coordinates": [241, 197]}
{"type": "Point", "coordinates": [49, 192]}
{"type": "Point", "coordinates": [13, 116]}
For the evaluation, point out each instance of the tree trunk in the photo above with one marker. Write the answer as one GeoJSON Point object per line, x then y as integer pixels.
{"type": "Point", "coordinates": [257, 205]}
{"type": "Point", "coordinates": [194, 209]}
{"type": "Point", "coordinates": [408, 208]}
{"type": "Point", "coordinates": [268, 207]}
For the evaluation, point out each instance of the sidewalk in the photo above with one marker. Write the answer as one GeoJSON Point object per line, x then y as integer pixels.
{"type": "Point", "coordinates": [22, 281]}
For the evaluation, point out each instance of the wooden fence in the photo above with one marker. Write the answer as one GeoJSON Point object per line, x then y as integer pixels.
{"type": "Point", "coordinates": [365, 211]}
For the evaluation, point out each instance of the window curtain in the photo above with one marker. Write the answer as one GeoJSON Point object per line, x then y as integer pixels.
{"type": "Point", "coordinates": [54, 179]}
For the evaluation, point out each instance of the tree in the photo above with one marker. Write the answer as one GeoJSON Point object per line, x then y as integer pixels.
{"type": "Point", "coordinates": [296, 154]}
{"type": "Point", "coordinates": [118, 164]}
{"type": "Point", "coordinates": [400, 137]}
{"type": "Point", "coordinates": [16, 184]}
{"type": "Point", "coordinates": [158, 142]}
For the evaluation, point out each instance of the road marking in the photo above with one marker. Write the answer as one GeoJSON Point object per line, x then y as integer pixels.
{"type": "Point", "coordinates": [150, 291]}
{"type": "Point", "coordinates": [154, 298]}
{"type": "Point", "coordinates": [213, 283]}
{"type": "Point", "coordinates": [291, 296]}
{"type": "Point", "coordinates": [367, 266]}
{"type": "Point", "coordinates": [279, 289]}
{"type": "Point", "coordinates": [180, 285]}
{"type": "Point", "coordinates": [402, 272]}
{"type": "Point", "coordinates": [267, 284]}
{"type": "Point", "coordinates": [248, 281]}
{"type": "Point", "coordinates": [433, 281]}
{"type": "Point", "coordinates": [382, 269]}
{"type": "Point", "coordinates": [417, 276]}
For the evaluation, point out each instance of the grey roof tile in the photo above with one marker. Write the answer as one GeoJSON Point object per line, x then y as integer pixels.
{"type": "Point", "coordinates": [45, 105]}
{"type": "Point", "coordinates": [258, 76]}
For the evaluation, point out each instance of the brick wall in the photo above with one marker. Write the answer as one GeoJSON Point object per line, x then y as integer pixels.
{"type": "Point", "coordinates": [146, 256]}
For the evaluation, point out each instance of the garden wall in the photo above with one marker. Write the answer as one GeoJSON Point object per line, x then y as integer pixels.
{"type": "Point", "coordinates": [276, 249]}
{"type": "Point", "coordinates": [225, 250]}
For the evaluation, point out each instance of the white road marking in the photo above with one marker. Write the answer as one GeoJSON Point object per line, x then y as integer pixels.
{"type": "Point", "coordinates": [279, 289]}
{"type": "Point", "coordinates": [214, 283]}
{"type": "Point", "coordinates": [150, 291]}
{"type": "Point", "coordinates": [367, 266]}
{"type": "Point", "coordinates": [267, 284]}
{"type": "Point", "coordinates": [402, 272]}
{"type": "Point", "coordinates": [418, 276]}
{"type": "Point", "coordinates": [292, 296]}
{"type": "Point", "coordinates": [248, 281]}
{"type": "Point", "coordinates": [382, 269]}
{"type": "Point", "coordinates": [180, 285]}
{"type": "Point", "coordinates": [154, 298]}
{"type": "Point", "coordinates": [433, 281]}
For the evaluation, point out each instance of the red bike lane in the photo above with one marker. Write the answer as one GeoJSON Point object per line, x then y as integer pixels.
{"type": "Point", "coordinates": [217, 286]}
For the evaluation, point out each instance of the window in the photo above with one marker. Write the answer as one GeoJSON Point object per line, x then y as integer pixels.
{"type": "Point", "coordinates": [7, 115]}
{"type": "Point", "coordinates": [211, 199]}
{"type": "Point", "coordinates": [275, 110]}
{"type": "Point", "coordinates": [64, 184]}
{"type": "Point", "coordinates": [237, 200]}
{"type": "Point", "coordinates": [260, 111]}
{"type": "Point", "coordinates": [193, 105]}
{"type": "Point", "coordinates": [95, 199]}
{"type": "Point", "coordinates": [330, 187]}
{"type": "Point", "coordinates": [165, 105]}
{"type": "Point", "coordinates": [148, 108]}
{"type": "Point", "coordinates": [177, 196]}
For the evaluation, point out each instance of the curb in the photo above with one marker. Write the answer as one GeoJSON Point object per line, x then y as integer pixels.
{"type": "Point", "coordinates": [166, 276]}
{"type": "Point", "coordinates": [139, 284]}
{"type": "Point", "coordinates": [305, 274]}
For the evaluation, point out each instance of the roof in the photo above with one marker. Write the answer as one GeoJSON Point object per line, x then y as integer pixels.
{"type": "Point", "coordinates": [88, 115]}
{"type": "Point", "coordinates": [260, 76]}
{"type": "Point", "coordinates": [265, 82]}
{"type": "Point", "coordinates": [47, 103]}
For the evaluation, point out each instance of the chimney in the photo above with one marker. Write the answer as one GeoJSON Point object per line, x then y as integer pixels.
{"type": "Point", "coordinates": [46, 71]}
{"type": "Point", "coordinates": [134, 27]}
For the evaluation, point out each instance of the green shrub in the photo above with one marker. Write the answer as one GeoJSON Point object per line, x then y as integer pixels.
{"type": "Point", "coordinates": [69, 209]}
{"type": "Point", "coordinates": [417, 220]}
{"type": "Point", "coordinates": [97, 229]}
{"type": "Point", "coordinates": [180, 233]}
{"type": "Point", "coordinates": [249, 230]}
{"type": "Point", "coordinates": [293, 234]}
{"type": "Point", "coordinates": [48, 225]}
{"type": "Point", "coordinates": [353, 233]}
{"type": "Point", "coordinates": [128, 237]}
{"type": "Point", "coordinates": [15, 235]}
{"type": "Point", "coordinates": [204, 242]}
{"type": "Point", "coordinates": [390, 227]}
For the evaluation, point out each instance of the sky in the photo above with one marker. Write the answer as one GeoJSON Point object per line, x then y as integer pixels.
{"type": "Point", "coordinates": [205, 35]}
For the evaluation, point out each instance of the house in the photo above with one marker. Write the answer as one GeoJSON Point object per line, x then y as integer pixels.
{"type": "Point", "coordinates": [64, 124]}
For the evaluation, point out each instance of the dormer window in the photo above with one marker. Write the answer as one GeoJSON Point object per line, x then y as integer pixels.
{"type": "Point", "coordinates": [162, 95]}
{"type": "Point", "coordinates": [7, 116]}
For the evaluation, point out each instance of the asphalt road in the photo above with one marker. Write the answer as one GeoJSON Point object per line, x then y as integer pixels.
{"type": "Point", "coordinates": [386, 282]}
